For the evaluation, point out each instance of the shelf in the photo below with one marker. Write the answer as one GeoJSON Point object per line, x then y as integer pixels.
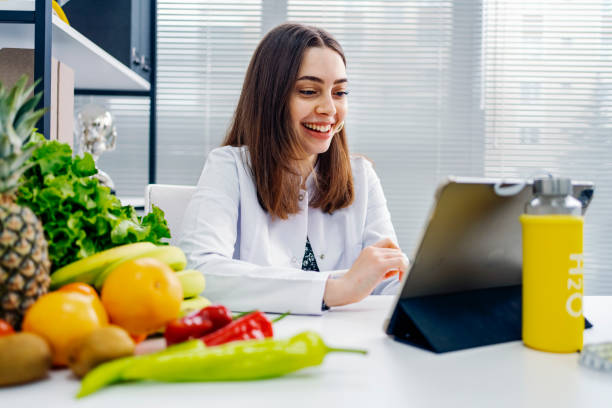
{"type": "Point", "coordinates": [93, 67]}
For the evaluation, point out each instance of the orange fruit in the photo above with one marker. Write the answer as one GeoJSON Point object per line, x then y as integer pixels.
{"type": "Point", "coordinates": [79, 287]}
{"type": "Point", "coordinates": [63, 319]}
{"type": "Point", "coordinates": [142, 295]}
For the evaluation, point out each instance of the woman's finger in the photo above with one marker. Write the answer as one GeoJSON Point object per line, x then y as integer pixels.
{"type": "Point", "coordinates": [388, 252]}
{"type": "Point", "coordinates": [383, 251]}
{"type": "Point", "coordinates": [386, 243]}
{"type": "Point", "coordinates": [395, 262]}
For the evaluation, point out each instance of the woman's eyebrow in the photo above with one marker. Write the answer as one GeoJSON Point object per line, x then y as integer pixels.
{"type": "Point", "coordinates": [317, 79]}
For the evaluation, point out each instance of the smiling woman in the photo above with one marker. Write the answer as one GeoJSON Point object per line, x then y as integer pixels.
{"type": "Point", "coordinates": [296, 80]}
{"type": "Point", "coordinates": [318, 105]}
{"type": "Point", "coordinates": [283, 198]}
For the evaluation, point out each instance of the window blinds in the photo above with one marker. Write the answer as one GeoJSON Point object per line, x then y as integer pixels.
{"type": "Point", "coordinates": [547, 105]}
{"type": "Point", "coordinates": [204, 48]}
{"type": "Point", "coordinates": [494, 88]}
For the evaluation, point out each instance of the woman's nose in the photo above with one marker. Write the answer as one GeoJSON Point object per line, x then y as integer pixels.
{"type": "Point", "coordinates": [326, 106]}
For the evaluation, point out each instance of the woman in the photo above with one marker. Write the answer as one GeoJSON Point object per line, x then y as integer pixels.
{"type": "Point", "coordinates": [282, 199]}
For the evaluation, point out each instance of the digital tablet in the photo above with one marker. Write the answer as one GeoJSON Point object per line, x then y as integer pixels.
{"type": "Point", "coordinates": [472, 237]}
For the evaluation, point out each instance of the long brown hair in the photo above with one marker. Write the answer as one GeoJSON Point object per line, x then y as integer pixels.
{"type": "Point", "coordinates": [262, 122]}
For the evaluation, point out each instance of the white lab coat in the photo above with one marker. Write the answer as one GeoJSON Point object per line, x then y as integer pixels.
{"type": "Point", "coordinates": [252, 261]}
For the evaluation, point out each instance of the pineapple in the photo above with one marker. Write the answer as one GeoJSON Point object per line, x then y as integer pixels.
{"type": "Point", "coordinates": [24, 257]}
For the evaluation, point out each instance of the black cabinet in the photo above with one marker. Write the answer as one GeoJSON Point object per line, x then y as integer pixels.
{"type": "Point", "coordinates": [120, 27]}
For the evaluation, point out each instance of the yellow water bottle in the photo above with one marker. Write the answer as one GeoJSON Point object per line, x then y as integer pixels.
{"type": "Point", "coordinates": [553, 268]}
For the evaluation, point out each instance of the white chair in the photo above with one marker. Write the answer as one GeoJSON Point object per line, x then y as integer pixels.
{"type": "Point", "coordinates": [173, 200]}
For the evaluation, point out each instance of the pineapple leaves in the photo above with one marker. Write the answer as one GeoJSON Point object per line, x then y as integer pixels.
{"type": "Point", "coordinates": [27, 107]}
{"type": "Point", "coordinates": [17, 115]}
{"type": "Point", "coordinates": [26, 117]}
{"type": "Point", "coordinates": [17, 121]}
{"type": "Point", "coordinates": [25, 123]}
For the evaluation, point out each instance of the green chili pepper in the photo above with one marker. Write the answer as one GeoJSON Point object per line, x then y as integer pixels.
{"type": "Point", "coordinates": [244, 360]}
{"type": "Point", "coordinates": [111, 372]}
{"type": "Point", "coordinates": [103, 375]}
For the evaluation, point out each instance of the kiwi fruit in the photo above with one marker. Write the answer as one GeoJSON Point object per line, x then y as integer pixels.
{"type": "Point", "coordinates": [24, 357]}
{"type": "Point", "coordinates": [101, 345]}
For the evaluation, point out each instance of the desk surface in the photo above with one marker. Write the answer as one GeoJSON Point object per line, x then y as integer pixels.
{"type": "Point", "coordinates": [392, 374]}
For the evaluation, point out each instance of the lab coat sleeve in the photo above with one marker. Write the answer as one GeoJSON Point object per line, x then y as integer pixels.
{"type": "Point", "coordinates": [209, 234]}
{"type": "Point", "coordinates": [378, 225]}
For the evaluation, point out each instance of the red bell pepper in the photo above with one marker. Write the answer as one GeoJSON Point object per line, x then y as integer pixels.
{"type": "Point", "coordinates": [197, 324]}
{"type": "Point", "coordinates": [252, 326]}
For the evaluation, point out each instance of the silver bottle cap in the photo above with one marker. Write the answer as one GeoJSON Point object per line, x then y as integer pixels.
{"type": "Point", "coordinates": [552, 186]}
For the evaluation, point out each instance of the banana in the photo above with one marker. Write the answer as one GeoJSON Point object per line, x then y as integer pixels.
{"type": "Point", "coordinates": [193, 304]}
{"type": "Point", "coordinates": [173, 256]}
{"type": "Point", "coordinates": [87, 269]}
{"type": "Point", "coordinates": [192, 281]}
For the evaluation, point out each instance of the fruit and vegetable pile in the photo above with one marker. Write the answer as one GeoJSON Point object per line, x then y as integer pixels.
{"type": "Point", "coordinates": [141, 288]}
{"type": "Point", "coordinates": [84, 279]}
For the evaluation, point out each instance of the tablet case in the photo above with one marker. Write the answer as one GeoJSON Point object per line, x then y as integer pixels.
{"type": "Point", "coordinates": [456, 321]}
{"type": "Point", "coordinates": [463, 288]}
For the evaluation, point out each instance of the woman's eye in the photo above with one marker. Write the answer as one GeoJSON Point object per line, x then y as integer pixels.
{"type": "Point", "coordinates": [342, 93]}
{"type": "Point", "coordinates": [307, 92]}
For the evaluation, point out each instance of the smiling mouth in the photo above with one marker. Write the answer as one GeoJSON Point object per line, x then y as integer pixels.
{"type": "Point", "coordinates": [318, 128]}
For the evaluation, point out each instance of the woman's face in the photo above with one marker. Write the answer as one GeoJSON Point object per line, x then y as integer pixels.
{"type": "Point", "coordinates": [318, 102]}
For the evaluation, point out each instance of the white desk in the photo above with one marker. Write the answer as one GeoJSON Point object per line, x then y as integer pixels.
{"type": "Point", "coordinates": [392, 374]}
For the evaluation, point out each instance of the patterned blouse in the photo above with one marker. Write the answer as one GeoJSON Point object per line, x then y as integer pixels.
{"type": "Point", "coordinates": [309, 263]}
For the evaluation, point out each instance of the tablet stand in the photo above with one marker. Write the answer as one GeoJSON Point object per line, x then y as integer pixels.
{"type": "Point", "coordinates": [461, 320]}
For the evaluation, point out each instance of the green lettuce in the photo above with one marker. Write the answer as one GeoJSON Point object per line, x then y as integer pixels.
{"type": "Point", "coordinates": [81, 217]}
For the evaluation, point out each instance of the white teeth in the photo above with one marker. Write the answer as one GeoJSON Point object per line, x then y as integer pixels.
{"type": "Point", "coordinates": [322, 129]}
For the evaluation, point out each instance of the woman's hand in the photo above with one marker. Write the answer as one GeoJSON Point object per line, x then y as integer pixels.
{"type": "Point", "coordinates": [373, 264]}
